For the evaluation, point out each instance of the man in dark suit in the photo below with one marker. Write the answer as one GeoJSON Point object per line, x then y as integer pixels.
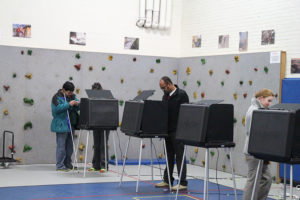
{"type": "Point", "coordinates": [174, 97]}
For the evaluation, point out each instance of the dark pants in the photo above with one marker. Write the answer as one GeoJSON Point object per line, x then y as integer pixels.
{"type": "Point", "coordinates": [175, 150]}
{"type": "Point", "coordinates": [64, 150]}
{"type": "Point", "coordinates": [99, 149]}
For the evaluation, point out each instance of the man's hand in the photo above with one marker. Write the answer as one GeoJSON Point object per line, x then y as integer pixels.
{"type": "Point", "coordinates": [73, 102]}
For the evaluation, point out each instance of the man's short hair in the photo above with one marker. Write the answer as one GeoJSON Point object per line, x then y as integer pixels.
{"type": "Point", "coordinates": [97, 86]}
{"type": "Point", "coordinates": [68, 86]}
{"type": "Point", "coordinates": [167, 80]}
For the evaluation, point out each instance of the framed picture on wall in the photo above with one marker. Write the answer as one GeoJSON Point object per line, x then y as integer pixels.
{"type": "Point", "coordinates": [223, 41]}
{"type": "Point", "coordinates": [243, 44]}
{"type": "Point", "coordinates": [77, 38]}
{"type": "Point", "coordinates": [131, 43]}
{"type": "Point", "coordinates": [196, 42]}
{"type": "Point", "coordinates": [22, 30]}
{"type": "Point", "coordinates": [295, 66]}
{"type": "Point", "coordinates": [267, 37]}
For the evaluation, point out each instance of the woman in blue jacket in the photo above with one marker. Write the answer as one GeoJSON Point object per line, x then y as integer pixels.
{"type": "Point", "coordinates": [64, 105]}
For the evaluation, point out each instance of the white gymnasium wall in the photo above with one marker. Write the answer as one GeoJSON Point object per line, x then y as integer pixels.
{"type": "Point", "coordinates": [229, 17]}
{"type": "Point", "coordinates": [106, 23]}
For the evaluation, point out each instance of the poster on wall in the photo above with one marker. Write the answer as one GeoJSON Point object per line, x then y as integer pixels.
{"type": "Point", "coordinates": [267, 37]}
{"type": "Point", "coordinates": [196, 42]}
{"type": "Point", "coordinates": [243, 45]}
{"type": "Point", "coordinates": [22, 30]}
{"type": "Point", "coordinates": [131, 43]}
{"type": "Point", "coordinates": [78, 38]}
{"type": "Point", "coordinates": [295, 65]}
{"type": "Point", "coordinates": [223, 41]}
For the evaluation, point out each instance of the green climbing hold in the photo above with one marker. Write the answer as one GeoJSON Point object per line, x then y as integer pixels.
{"type": "Point", "coordinates": [28, 101]}
{"type": "Point", "coordinates": [212, 153]}
{"type": "Point", "coordinates": [27, 125]}
{"type": "Point", "coordinates": [157, 61]}
{"type": "Point", "coordinates": [203, 61]}
{"type": "Point", "coordinates": [103, 68]}
{"type": "Point", "coordinates": [70, 78]}
{"type": "Point", "coordinates": [222, 83]}
{"type": "Point", "coordinates": [228, 156]}
{"type": "Point", "coordinates": [77, 56]}
{"type": "Point", "coordinates": [241, 82]}
{"type": "Point", "coordinates": [113, 157]}
{"type": "Point", "coordinates": [192, 159]}
{"type": "Point", "coordinates": [27, 148]}
{"type": "Point", "coordinates": [199, 83]}
{"type": "Point", "coordinates": [234, 120]}
{"type": "Point", "coordinates": [266, 69]}
{"type": "Point", "coordinates": [29, 52]}
{"type": "Point", "coordinates": [121, 102]}
{"type": "Point", "coordinates": [14, 75]}
{"type": "Point", "coordinates": [184, 83]}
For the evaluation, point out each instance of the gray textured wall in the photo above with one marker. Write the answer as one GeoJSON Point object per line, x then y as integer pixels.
{"type": "Point", "coordinates": [51, 68]}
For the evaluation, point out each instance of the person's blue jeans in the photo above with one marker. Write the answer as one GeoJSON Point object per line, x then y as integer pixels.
{"type": "Point", "coordinates": [64, 150]}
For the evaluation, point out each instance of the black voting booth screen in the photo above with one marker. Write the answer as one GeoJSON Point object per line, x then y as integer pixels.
{"type": "Point", "coordinates": [274, 134]}
{"type": "Point", "coordinates": [148, 117]}
{"type": "Point", "coordinates": [199, 125]}
{"type": "Point", "coordinates": [99, 113]}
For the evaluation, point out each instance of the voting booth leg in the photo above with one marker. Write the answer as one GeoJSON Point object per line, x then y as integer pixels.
{"type": "Point", "coordinates": [167, 163]}
{"type": "Point", "coordinates": [284, 181]}
{"type": "Point", "coordinates": [116, 158]}
{"type": "Point", "coordinates": [151, 159]}
{"type": "Point", "coordinates": [124, 160]}
{"type": "Point", "coordinates": [291, 181]}
{"type": "Point", "coordinates": [233, 176]}
{"type": "Point", "coordinates": [86, 148]}
{"type": "Point", "coordinates": [258, 174]}
{"type": "Point", "coordinates": [181, 168]}
{"type": "Point", "coordinates": [105, 150]}
{"type": "Point", "coordinates": [140, 159]}
{"type": "Point", "coordinates": [205, 194]}
{"type": "Point", "coordinates": [76, 151]}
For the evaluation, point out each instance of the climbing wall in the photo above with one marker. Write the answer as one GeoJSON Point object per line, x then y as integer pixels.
{"type": "Point", "coordinates": [234, 79]}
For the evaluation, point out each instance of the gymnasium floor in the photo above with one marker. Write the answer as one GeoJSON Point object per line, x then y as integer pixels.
{"type": "Point", "coordinates": [42, 182]}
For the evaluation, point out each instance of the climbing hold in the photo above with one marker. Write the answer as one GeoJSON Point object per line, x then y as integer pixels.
{"type": "Point", "coordinates": [134, 59]}
{"type": "Point", "coordinates": [202, 95]}
{"type": "Point", "coordinates": [195, 95]}
{"type": "Point", "coordinates": [110, 58]}
{"type": "Point", "coordinates": [211, 72]}
{"type": "Point", "coordinates": [188, 70]}
{"type": "Point", "coordinates": [255, 69]}
{"type": "Point", "coordinates": [244, 120]}
{"type": "Point", "coordinates": [196, 149]}
{"type": "Point", "coordinates": [77, 90]}
{"type": "Point", "coordinates": [121, 102]}
{"type": "Point", "coordinates": [27, 148]}
{"type": "Point", "coordinates": [174, 72]}
{"type": "Point", "coordinates": [227, 71]}
{"type": "Point", "coordinates": [81, 147]}
{"type": "Point", "coordinates": [103, 68]}
{"type": "Point", "coordinates": [102, 170]}
{"type": "Point", "coordinates": [250, 82]}
{"type": "Point", "coordinates": [203, 163]}
{"type": "Point", "coordinates": [223, 167]}
{"type": "Point", "coordinates": [192, 159]}
{"type": "Point", "coordinates": [198, 83]}
{"type": "Point", "coordinates": [113, 157]}
{"type": "Point", "coordinates": [266, 69]}
{"type": "Point", "coordinates": [139, 91]}
{"type": "Point", "coordinates": [212, 153]}
{"type": "Point", "coordinates": [241, 82]}
{"type": "Point", "coordinates": [5, 112]}
{"type": "Point", "coordinates": [6, 87]}
{"type": "Point", "coordinates": [78, 66]}
{"type": "Point", "coordinates": [27, 125]}
{"type": "Point", "coordinates": [70, 78]}
{"type": "Point", "coordinates": [81, 157]}
{"type": "Point", "coordinates": [228, 156]}
{"type": "Point", "coordinates": [12, 148]}
{"type": "Point", "coordinates": [22, 52]}
{"type": "Point", "coordinates": [28, 75]}
{"type": "Point", "coordinates": [77, 55]}
{"type": "Point", "coordinates": [160, 155]}
{"type": "Point", "coordinates": [122, 80]}
{"type": "Point", "coordinates": [236, 58]}
{"type": "Point", "coordinates": [157, 61]}
{"type": "Point", "coordinates": [235, 96]}
{"type": "Point", "coordinates": [91, 68]}
{"type": "Point", "coordinates": [28, 101]}
{"type": "Point", "coordinates": [184, 83]}
{"type": "Point", "coordinates": [222, 83]}
{"type": "Point", "coordinates": [203, 61]}
{"type": "Point", "coordinates": [14, 75]}
{"type": "Point", "coordinates": [245, 95]}
{"type": "Point", "coordinates": [120, 124]}
{"type": "Point", "coordinates": [18, 159]}
{"type": "Point", "coordinates": [234, 120]}
{"type": "Point", "coordinates": [151, 70]}
{"type": "Point", "coordinates": [143, 146]}
{"type": "Point", "coordinates": [29, 52]}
